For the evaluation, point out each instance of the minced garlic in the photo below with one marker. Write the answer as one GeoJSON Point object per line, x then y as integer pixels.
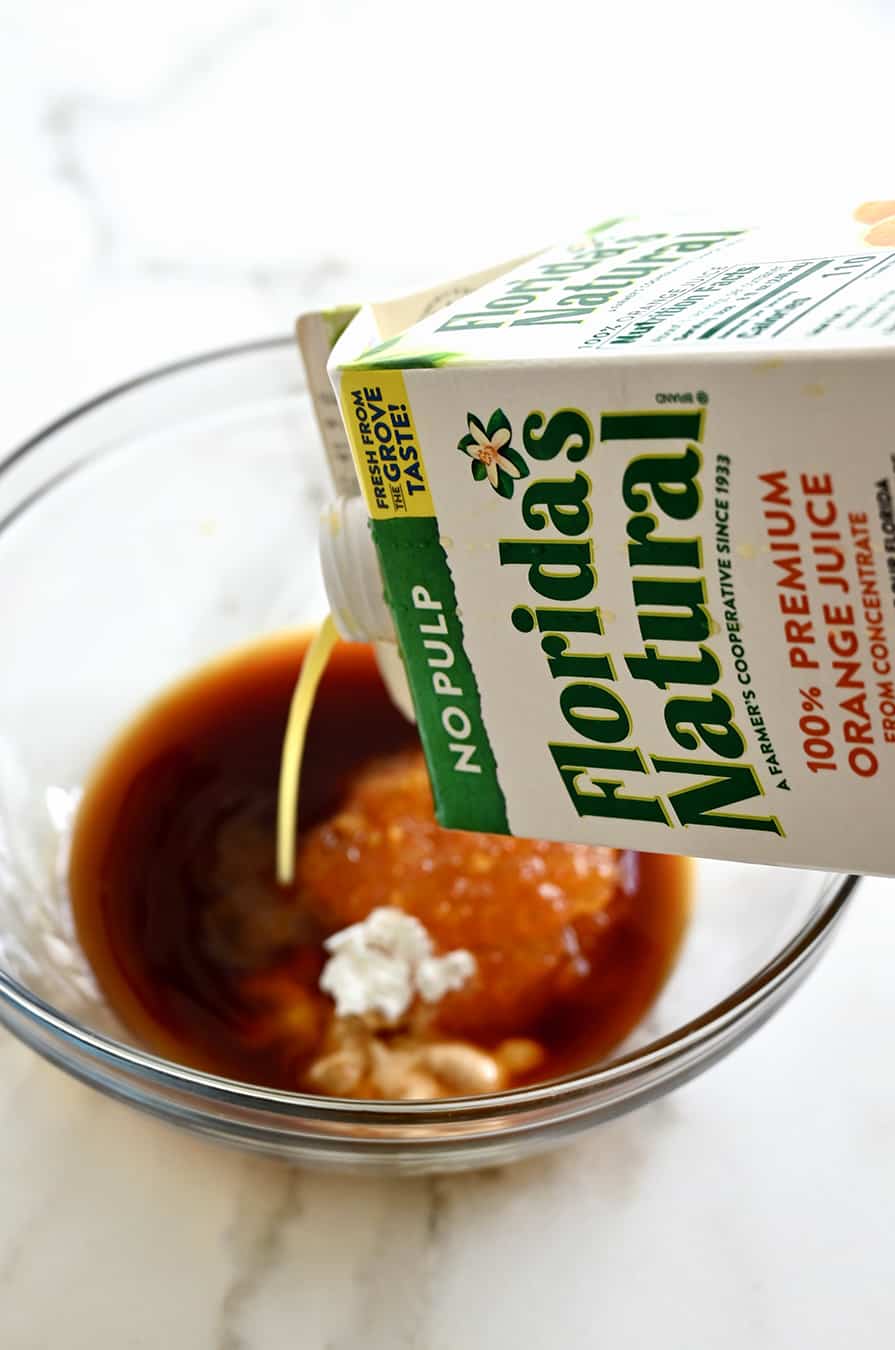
{"type": "Point", "coordinates": [383, 963]}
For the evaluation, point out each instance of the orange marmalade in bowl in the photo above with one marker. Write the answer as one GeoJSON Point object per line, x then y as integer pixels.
{"type": "Point", "coordinates": [208, 961]}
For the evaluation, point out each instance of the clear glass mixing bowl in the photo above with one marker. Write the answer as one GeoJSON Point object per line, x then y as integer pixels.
{"type": "Point", "coordinates": [150, 530]}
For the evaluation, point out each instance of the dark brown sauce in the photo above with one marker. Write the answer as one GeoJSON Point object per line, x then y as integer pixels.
{"type": "Point", "coordinates": [182, 809]}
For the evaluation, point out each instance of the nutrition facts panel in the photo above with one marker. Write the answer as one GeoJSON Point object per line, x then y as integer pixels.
{"type": "Point", "coordinates": [744, 301]}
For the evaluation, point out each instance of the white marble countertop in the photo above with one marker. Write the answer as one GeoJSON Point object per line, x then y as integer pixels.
{"type": "Point", "coordinates": [169, 187]}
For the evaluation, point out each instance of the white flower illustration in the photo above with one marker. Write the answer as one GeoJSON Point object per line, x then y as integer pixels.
{"type": "Point", "coordinates": [490, 447]}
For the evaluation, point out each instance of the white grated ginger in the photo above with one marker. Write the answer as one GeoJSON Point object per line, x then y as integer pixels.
{"type": "Point", "coordinates": [383, 963]}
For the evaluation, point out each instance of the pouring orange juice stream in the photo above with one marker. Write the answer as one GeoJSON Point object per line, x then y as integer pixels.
{"type": "Point", "coordinates": [313, 666]}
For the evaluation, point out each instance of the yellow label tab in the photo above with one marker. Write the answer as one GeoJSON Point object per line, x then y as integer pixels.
{"type": "Point", "coordinates": [383, 438]}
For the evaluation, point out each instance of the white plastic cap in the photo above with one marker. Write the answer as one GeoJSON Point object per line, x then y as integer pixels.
{"type": "Point", "coordinates": [351, 573]}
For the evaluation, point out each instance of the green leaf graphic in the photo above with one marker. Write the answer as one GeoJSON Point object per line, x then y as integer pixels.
{"type": "Point", "coordinates": [504, 484]}
{"type": "Point", "coordinates": [516, 460]}
{"type": "Point", "coordinates": [380, 347]}
{"type": "Point", "coordinates": [337, 320]}
{"type": "Point", "coordinates": [402, 361]}
{"type": "Point", "coordinates": [498, 421]}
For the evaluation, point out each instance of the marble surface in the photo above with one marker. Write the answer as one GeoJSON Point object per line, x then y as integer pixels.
{"type": "Point", "coordinates": [185, 175]}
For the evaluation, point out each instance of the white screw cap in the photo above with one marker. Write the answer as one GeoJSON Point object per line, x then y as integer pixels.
{"type": "Point", "coordinates": [351, 573]}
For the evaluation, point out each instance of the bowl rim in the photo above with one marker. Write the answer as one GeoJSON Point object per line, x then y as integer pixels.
{"type": "Point", "coordinates": [665, 1052]}
{"type": "Point", "coordinates": [150, 376]}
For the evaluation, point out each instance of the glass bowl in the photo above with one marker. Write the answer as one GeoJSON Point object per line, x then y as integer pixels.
{"type": "Point", "coordinates": [150, 530]}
